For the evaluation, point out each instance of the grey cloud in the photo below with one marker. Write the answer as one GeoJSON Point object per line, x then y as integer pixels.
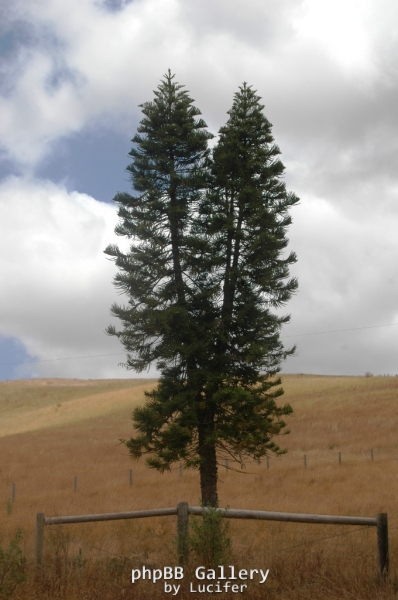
{"type": "Point", "coordinates": [115, 5]}
{"type": "Point", "coordinates": [257, 23]}
{"type": "Point", "coordinates": [336, 126]}
{"type": "Point", "coordinates": [346, 276]}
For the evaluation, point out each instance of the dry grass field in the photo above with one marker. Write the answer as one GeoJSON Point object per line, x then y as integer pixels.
{"type": "Point", "coordinates": [52, 431]}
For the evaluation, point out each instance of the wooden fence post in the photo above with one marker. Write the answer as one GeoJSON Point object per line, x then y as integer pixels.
{"type": "Point", "coordinates": [339, 458]}
{"type": "Point", "coordinates": [226, 465]}
{"type": "Point", "coordinates": [305, 461]}
{"type": "Point", "coordinates": [382, 543]}
{"type": "Point", "coordinates": [180, 469]}
{"type": "Point", "coordinates": [182, 531]}
{"type": "Point", "coordinates": [40, 522]}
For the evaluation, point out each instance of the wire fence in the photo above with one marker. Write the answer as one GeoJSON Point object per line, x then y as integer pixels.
{"type": "Point", "coordinates": [132, 542]}
{"type": "Point", "coordinates": [308, 460]}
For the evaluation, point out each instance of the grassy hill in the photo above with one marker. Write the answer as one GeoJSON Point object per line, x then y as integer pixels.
{"type": "Point", "coordinates": [46, 403]}
{"type": "Point", "coordinates": [54, 430]}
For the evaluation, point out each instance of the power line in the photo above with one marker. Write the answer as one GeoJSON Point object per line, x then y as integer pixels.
{"type": "Point", "coordinates": [29, 362]}
{"type": "Point", "coordinates": [34, 361]}
{"type": "Point", "coordinates": [339, 330]}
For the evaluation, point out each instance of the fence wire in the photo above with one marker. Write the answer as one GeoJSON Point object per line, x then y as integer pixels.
{"type": "Point", "coordinates": [329, 537]}
{"type": "Point", "coordinates": [122, 540]}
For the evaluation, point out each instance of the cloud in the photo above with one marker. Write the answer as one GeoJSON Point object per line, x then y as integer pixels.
{"type": "Point", "coordinates": [76, 71]}
{"type": "Point", "coordinates": [59, 290]}
{"type": "Point", "coordinates": [347, 280]}
{"type": "Point", "coordinates": [57, 284]}
{"type": "Point", "coordinates": [255, 24]}
{"type": "Point", "coordinates": [70, 75]}
{"type": "Point", "coordinates": [79, 65]}
{"type": "Point", "coordinates": [341, 27]}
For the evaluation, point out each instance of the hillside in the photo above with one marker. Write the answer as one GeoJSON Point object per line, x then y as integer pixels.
{"type": "Point", "coordinates": [46, 403]}
{"type": "Point", "coordinates": [52, 431]}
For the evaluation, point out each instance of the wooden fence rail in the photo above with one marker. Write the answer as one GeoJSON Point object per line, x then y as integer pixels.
{"type": "Point", "coordinates": [232, 513]}
{"type": "Point", "coordinates": [183, 510]}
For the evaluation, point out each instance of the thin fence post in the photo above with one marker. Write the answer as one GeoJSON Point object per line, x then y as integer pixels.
{"type": "Point", "coordinates": [182, 531]}
{"type": "Point", "coordinates": [339, 458]}
{"type": "Point", "coordinates": [268, 462]}
{"type": "Point", "coordinates": [13, 493]}
{"type": "Point", "coordinates": [75, 484]}
{"type": "Point", "coordinates": [226, 464]}
{"type": "Point", "coordinates": [40, 522]}
{"type": "Point", "coordinates": [180, 469]}
{"type": "Point", "coordinates": [305, 460]}
{"type": "Point", "coordinates": [382, 544]}
{"type": "Point", "coordinates": [371, 454]}
{"type": "Point", "coordinates": [131, 477]}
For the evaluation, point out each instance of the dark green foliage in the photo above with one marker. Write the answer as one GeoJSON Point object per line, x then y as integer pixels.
{"type": "Point", "coordinates": [246, 215]}
{"type": "Point", "coordinates": [209, 538]}
{"type": "Point", "coordinates": [203, 274]}
{"type": "Point", "coordinates": [168, 169]}
{"type": "Point", "coordinates": [12, 566]}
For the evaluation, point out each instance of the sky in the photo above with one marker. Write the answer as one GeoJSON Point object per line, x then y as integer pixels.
{"type": "Point", "coordinates": [72, 77]}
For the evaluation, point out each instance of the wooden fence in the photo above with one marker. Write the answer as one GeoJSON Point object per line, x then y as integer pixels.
{"type": "Point", "coordinates": [183, 510]}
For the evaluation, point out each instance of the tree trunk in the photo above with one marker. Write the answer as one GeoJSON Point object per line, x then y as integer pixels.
{"type": "Point", "coordinates": [175, 241]}
{"type": "Point", "coordinates": [208, 467]}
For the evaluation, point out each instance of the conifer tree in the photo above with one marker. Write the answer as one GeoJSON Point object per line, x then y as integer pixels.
{"type": "Point", "coordinates": [246, 213]}
{"type": "Point", "coordinates": [168, 174]}
{"type": "Point", "coordinates": [204, 271]}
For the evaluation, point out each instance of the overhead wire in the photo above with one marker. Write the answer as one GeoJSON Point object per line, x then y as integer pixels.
{"type": "Point", "coordinates": [34, 361]}
{"type": "Point", "coordinates": [340, 330]}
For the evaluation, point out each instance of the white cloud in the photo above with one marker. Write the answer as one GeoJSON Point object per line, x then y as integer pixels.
{"type": "Point", "coordinates": [87, 65]}
{"type": "Point", "coordinates": [327, 74]}
{"type": "Point", "coordinates": [341, 27]}
{"type": "Point", "coordinates": [57, 284]}
{"type": "Point", "coordinates": [59, 290]}
{"type": "Point", "coordinates": [347, 280]}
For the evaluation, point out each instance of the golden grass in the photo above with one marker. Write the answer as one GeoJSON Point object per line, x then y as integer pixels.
{"type": "Point", "coordinates": [45, 404]}
{"type": "Point", "coordinates": [42, 449]}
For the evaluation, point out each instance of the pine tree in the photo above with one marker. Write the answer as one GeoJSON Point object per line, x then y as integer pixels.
{"type": "Point", "coordinates": [168, 174]}
{"type": "Point", "coordinates": [204, 270]}
{"type": "Point", "coordinates": [245, 214]}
